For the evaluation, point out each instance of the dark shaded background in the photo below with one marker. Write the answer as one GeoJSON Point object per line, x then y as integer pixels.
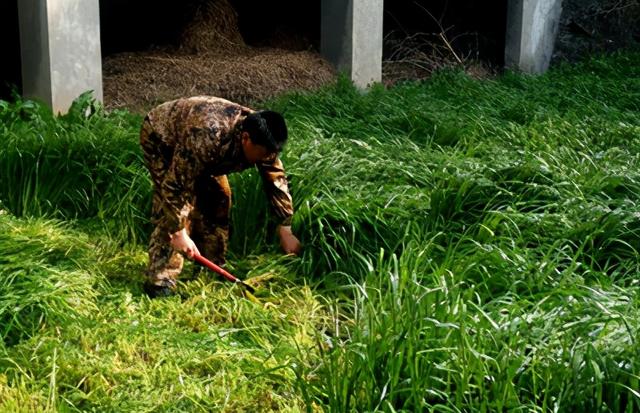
{"type": "Point", "coordinates": [10, 76]}
{"type": "Point", "coordinates": [476, 28]}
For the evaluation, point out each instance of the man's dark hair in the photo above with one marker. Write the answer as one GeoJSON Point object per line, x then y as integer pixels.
{"type": "Point", "coordinates": [266, 128]}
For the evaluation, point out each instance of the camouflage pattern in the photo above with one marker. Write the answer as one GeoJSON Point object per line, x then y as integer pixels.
{"type": "Point", "coordinates": [189, 147]}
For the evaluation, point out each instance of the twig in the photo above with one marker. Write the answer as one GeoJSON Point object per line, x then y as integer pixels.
{"type": "Point", "coordinates": [446, 42]}
{"type": "Point", "coordinates": [443, 32]}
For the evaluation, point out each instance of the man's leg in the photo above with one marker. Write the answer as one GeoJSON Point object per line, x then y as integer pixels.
{"type": "Point", "coordinates": [211, 217]}
{"type": "Point", "coordinates": [165, 263]}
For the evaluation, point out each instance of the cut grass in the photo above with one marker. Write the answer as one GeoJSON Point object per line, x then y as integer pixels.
{"type": "Point", "coordinates": [469, 246]}
{"type": "Point", "coordinates": [107, 347]}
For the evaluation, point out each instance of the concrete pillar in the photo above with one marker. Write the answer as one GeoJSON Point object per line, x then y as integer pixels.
{"type": "Point", "coordinates": [60, 48]}
{"type": "Point", "coordinates": [532, 26]}
{"type": "Point", "coordinates": [351, 38]}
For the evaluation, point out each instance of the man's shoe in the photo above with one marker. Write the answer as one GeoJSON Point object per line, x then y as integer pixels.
{"type": "Point", "coordinates": [166, 289]}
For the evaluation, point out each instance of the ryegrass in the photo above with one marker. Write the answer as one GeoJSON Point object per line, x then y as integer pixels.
{"type": "Point", "coordinates": [208, 349]}
{"type": "Point", "coordinates": [74, 167]}
{"type": "Point", "coordinates": [468, 246]}
{"type": "Point", "coordinates": [505, 217]}
{"type": "Point", "coordinates": [45, 276]}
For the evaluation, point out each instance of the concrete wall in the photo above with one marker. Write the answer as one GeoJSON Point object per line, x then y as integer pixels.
{"type": "Point", "coordinates": [532, 27]}
{"type": "Point", "coordinates": [60, 50]}
{"type": "Point", "coordinates": [351, 38]}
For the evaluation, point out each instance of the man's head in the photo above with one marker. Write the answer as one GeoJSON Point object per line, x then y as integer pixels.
{"type": "Point", "coordinates": [263, 135]}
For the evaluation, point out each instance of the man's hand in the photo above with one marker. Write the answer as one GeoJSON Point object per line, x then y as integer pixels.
{"type": "Point", "coordinates": [182, 242]}
{"type": "Point", "coordinates": [289, 243]}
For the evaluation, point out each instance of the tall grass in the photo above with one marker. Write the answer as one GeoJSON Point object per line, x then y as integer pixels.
{"type": "Point", "coordinates": [472, 245]}
{"type": "Point", "coordinates": [46, 276]}
{"type": "Point", "coordinates": [77, 166]}
{"type": "Point", "coordinates": [505, 218]}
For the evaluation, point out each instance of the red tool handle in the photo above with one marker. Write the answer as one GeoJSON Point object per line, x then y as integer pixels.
{"type": "Point", "coordinates": [202, 260]}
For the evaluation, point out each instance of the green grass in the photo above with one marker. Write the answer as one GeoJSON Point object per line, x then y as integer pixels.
{"type": "Point", "coordinates": [469, 245]}
{"type": "Point", "coordinates": [75, 167]}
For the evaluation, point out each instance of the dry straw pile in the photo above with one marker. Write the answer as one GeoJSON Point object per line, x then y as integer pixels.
{"type": "Point", "coordinates": [210, 59]}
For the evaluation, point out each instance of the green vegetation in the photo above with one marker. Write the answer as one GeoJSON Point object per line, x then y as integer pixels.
{"type": "Point", "coordinates": [470, 245]}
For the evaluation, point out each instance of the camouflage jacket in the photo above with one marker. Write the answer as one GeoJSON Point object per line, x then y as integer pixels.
{"type": "Point", "coordinates": [191, 137]}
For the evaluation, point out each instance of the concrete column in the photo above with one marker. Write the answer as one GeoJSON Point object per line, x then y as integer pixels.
{"type": "Point", "coordinates": [60, 45]}
{"type": "Point", "coordinates": [351, 38]}
{"type": "Point", "coordinates": [532, 26]}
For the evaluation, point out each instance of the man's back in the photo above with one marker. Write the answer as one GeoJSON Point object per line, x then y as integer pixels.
{"type": "Point", "coordinates": [200, 117]}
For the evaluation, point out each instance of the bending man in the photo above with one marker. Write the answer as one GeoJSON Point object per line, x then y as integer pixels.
{"type": "Point", "coordinates": [190, 145]}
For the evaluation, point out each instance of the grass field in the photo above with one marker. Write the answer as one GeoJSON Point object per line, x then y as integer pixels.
{"type": "Point", "coordinates": [469, 245]}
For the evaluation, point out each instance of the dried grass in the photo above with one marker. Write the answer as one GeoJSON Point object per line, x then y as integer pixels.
{"type": "Point", "coordinates": [212, 29]}
{"type": "Point", "coordinates": [417, 56]}
{"type": "Point", "coordinates": [211, 59]}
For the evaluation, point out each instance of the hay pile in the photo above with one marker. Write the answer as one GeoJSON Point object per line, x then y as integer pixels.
{"type": "Point", "coordinates": [210, 59]}
{"type": "Point", "coordinates": [212, 29]}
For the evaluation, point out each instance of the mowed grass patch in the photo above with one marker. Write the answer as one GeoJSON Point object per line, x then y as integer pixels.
{"type": "Point", "coordinates": [468, 246]}
{"type": "Point", "coordinates": [79, 334]}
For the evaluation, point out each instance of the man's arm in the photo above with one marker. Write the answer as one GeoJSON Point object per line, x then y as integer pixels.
{"type": "Point", "coordinates": [277, 189]}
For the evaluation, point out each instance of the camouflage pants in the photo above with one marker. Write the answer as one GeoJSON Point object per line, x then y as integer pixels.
{"type": "Point", "coordinates": [207, 223]}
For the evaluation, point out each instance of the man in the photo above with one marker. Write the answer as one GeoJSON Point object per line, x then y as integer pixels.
{"type": "Point", "coordinates": [190, 145]}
